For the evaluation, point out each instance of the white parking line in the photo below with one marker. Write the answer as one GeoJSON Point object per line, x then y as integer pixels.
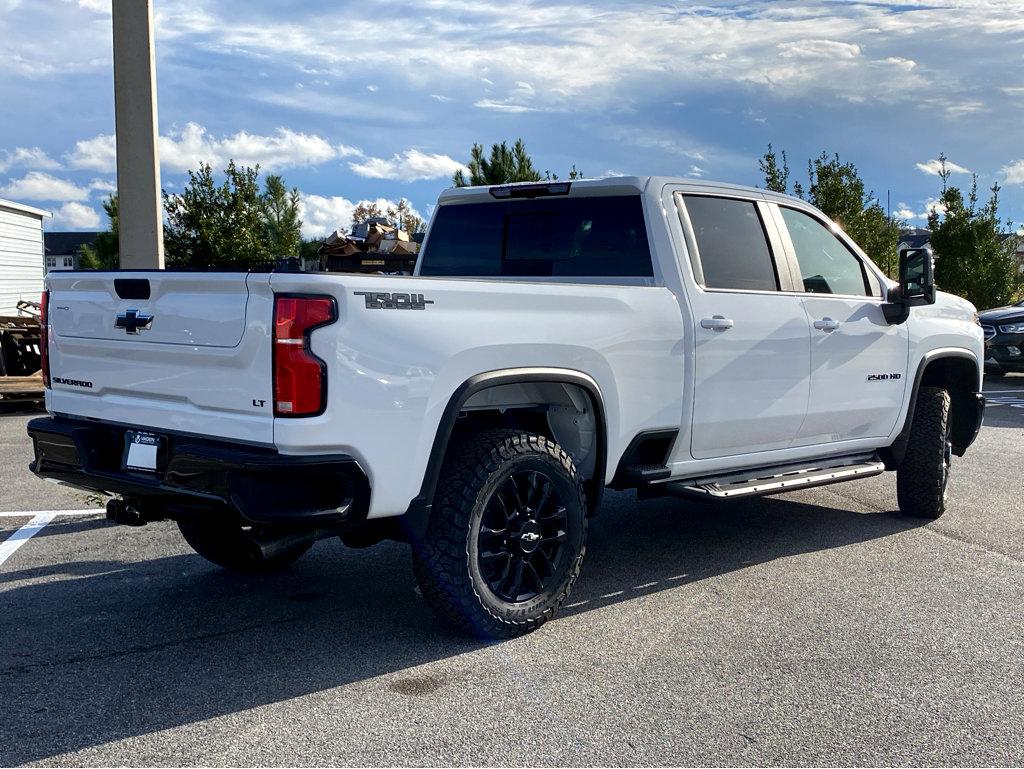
{"type": "Point", "coordinates": [39, 519]}
{"type": "Point", "coordinates": [33, 513]}
{"type": "Point", "coordinates": [23, 535]}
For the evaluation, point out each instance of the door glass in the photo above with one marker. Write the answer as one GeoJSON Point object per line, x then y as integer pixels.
{"type": "Point", "coordinates": [733, 249]}
{"type": "Point", "coordinates": [826, 265]}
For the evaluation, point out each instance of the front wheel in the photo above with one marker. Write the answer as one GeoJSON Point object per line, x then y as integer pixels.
{"type": "Point", "coordinates": [922, 479]}
{"type": "Point", "coordinates": [506, 535]}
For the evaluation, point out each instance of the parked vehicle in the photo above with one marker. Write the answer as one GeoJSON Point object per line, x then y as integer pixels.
{"type": "Point", "coordinates": [1004, 339]}
{"type": "Point", "coordinates": [677, 338]}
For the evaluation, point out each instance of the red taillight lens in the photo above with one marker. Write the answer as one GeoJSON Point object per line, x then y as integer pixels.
{"type": "Point", "coordinates": [44, 336]}
{"type": "Point", "coordinates": [300, 378]}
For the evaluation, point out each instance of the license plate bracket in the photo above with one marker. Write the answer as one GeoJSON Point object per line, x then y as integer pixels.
{"type": "Point", "coordinates": [143, 451]}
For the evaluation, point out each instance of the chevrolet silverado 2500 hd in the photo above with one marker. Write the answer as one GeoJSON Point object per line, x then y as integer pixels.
{"type": "Point", "coordinates": [674, 337]}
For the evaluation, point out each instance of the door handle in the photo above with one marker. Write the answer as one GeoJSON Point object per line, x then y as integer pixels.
{"type": "Point", "coordinates": [826, 324]}
{"type": "Point", "coordinates": [716, 322]}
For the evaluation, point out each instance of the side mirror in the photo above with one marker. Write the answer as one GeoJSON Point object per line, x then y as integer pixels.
{"type": "Point", "coordinates": [917, 277]}
{"type": "Point", "coordinates": [917, 284]}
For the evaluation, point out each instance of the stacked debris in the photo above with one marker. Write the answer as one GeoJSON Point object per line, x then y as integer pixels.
{"type": "Point", "coordinates": [20, 339]}
{"type": "Point", "coordinates": [373, 246]}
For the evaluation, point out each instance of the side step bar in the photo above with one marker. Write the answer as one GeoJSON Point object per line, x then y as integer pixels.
{"type": "Point", "coordinates": [780, 478]}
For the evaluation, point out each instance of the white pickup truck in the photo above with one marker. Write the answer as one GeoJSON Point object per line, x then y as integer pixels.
{"type": "Point", "coordinates": [670, 336]}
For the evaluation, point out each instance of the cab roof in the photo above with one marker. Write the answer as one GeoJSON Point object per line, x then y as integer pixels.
{"type": "Point", "coordinates": [610, 185]}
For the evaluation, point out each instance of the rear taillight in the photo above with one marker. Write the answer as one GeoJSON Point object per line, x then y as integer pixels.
{"type": "Point", "coordinates": [300, 378]}
{"type": "Point", "coordinates": [44, 336]}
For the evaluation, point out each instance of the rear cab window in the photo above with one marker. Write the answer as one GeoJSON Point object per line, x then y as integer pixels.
{"type": "Point", "coordinates": [561, 237]}
{"type": "Point", "coordinates": [733, 250]}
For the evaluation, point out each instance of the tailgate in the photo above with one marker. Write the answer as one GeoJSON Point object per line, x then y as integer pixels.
{"type": "Point", "coordinates": [182, 352]}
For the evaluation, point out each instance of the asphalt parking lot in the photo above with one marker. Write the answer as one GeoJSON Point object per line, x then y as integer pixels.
{"type": "Point", "coordinates": [813, 628]}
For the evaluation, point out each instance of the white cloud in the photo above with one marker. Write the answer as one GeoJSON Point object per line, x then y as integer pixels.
{"type": "Point", "coordinates": [900, 63]}
{"type": "Point", "coordinates": [186, 149]}
{"type": "Point", "coordinates": [1013, 173]}
{"type": "Point", "coordinates": [409, 166]}
{"type": "Point", "coordinates": [696, 171]}
{"type": "Point", "coordinates": [285, 148]}
{"type": "Point", "coordinates": [323, 215]}
{"type": "Point", "coordinates": [934, 166]}
{"type": "Point", "coordinates": [903, 211]}
{"type": "Point", "coordinates": [37, 185]}
{"type": "Point", "coordinates": [27, 157]}
{"type": "Point", "coordinates": [96, 154]}
{"type": "Point", "coordinates": [102, 185]}
{"type": "Point", "coordinates": [818, 49]}
{"type": "Point", "coordinates": [502, 106]}
{"type": "Point", "coordinates": [76, 216]}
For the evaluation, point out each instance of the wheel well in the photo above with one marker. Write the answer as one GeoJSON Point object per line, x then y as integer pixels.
{"type": "Point", "coordinates": [959, 376]}
{"type": "Point", "coordinates": [562, 411]}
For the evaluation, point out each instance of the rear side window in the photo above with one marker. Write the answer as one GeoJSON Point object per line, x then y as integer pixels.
{"type": "Point", "coordinates": [731, 242]}
{"type": "Point", "coordinates": [826, 265]}
{"type": "Point", "coordinates": [561, 237]}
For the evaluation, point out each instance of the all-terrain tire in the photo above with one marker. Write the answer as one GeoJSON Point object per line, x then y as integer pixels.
{"type": "Point", "coordinates": [460, 563]}
{"type": "Point", "coordinates": [923, 477]}
{"type": "Point", "coordinates": [227, 545]}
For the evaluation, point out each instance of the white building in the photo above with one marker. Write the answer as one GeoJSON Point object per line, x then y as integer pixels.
{"type": "Point", "coordinates": [21, 254]}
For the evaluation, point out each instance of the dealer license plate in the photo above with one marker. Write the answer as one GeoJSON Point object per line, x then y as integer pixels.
{"type": "Point", "coordinates": [142, 450]}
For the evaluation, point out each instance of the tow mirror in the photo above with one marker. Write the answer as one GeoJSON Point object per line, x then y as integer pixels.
{"type": "Point", "coordinates": [917, 284]}
{"type": "Point", "coordinates": [917, 277]}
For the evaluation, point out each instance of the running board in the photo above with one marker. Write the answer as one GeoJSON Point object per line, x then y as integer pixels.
{"type": "Point", "coordinates": [775, 480]}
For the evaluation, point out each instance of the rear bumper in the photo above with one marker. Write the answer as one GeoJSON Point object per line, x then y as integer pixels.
{"type": "Point", "coordinates": [260, 485]}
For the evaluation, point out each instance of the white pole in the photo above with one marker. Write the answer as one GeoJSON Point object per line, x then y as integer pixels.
{"type": "Point", "coordinates": [141, 243]}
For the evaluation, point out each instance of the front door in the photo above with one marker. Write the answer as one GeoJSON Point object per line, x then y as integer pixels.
{"type": "Point", "coordinates": [858, 360]}
{"type": "Point", "coordinates": [752, 343]}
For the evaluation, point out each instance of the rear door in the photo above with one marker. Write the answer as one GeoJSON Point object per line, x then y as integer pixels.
{"type": "Point", "coordinates": [752, 344]}
{"type": "Point", "coordinates": [858, 360]}
{"type": "Point", "coordinates": [182, 352]}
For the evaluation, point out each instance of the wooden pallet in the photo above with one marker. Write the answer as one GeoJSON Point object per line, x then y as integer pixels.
{"type": "Point", "coordinates": [21, 388]}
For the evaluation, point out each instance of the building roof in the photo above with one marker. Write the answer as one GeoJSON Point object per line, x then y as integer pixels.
{"type": "Point", "coordinates": [67, 243]}
{"type": "Point", "coordinates": [21, 208]}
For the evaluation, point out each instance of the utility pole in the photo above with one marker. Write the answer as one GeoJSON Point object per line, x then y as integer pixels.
{"type": "Point", "coordinates": [140, 242]}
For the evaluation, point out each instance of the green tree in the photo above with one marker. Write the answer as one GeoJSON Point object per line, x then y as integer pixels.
{"type": "Point", "coordinates": [837, 189]}
{"type": "Point", "coordinates": [102, 254]}
{"type": "Point", "coordinates": [504, 165]}
{"type": "Point", "coordinates": [210, 225]}
{"type": "Point", "coordinates": [281, 217]}
{"type": "Point", "coordinates": [975, 259]}
{"type": "Point", "coordinates": [776, 177]}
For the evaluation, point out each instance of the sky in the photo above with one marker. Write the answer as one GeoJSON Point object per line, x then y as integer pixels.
{"type": "Point", "coordinates": [353, 101]}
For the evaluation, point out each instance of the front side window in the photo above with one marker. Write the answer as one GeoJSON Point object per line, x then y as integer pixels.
{"type": "Point", "coordinates": [554, 237]}
{"type": "Point", "coordinates": [731, 242]}
{"type": "Point", "coordinates": [827, 266]}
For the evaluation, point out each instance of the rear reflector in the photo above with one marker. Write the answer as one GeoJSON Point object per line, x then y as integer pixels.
{"type": "Point", "coordinates": [44, 337]}
{"type": "Point", "coordinates": [300, 378]}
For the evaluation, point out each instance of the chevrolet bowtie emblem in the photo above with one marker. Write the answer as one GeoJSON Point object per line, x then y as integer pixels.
{"type": "Point", "coordinates": [133, 321]}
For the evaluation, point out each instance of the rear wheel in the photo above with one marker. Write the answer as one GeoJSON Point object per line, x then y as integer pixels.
{"type": "Point", "coordinates": [228, 545]}
{"type": "Point", "coordinates": [922, 479]}
{"type": "Point", "coordinates": [506, 536]}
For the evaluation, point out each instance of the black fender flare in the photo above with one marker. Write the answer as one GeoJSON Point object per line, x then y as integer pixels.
{"type": "Point", "coordinates": [894, 453]}
{"type": "Point", "coordinates": [415, 518]}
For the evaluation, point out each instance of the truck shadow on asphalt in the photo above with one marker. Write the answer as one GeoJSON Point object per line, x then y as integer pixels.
{"type": "Point", "coordinates": [107, 649]}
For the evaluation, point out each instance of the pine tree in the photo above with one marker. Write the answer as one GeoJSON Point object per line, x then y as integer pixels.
{"type": "Point", "coordinates": [975, 259]}
{"type": "Point", "coordinates": [281, 214]}
{"type": "Point", "coordinates": [102, 253]}
{"type": "Point", "coordinates": [505, 165]}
